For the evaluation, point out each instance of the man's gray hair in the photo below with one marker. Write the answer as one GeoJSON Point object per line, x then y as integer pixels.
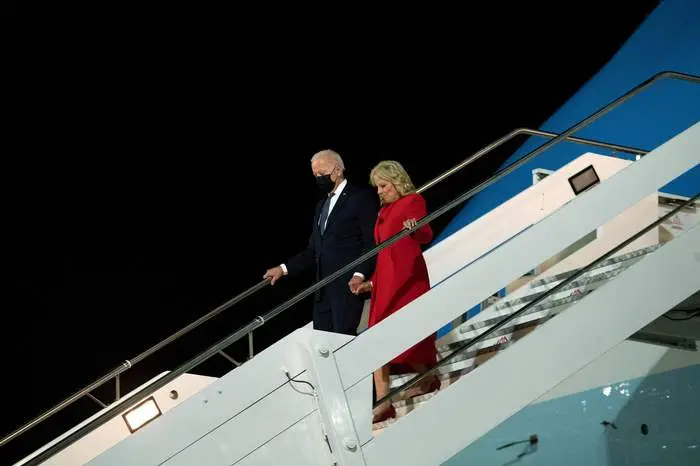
{"type": "Point", "coordinates": [332, 154]}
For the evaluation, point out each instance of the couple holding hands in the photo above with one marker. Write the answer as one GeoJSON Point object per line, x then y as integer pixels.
{"type": "Point", "coordinates": [347, 224]}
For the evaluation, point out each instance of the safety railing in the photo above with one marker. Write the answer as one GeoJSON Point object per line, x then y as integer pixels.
{"type": "Point", "coordinates": [246, 330]}
{"type": "Point", "coordinates": [129, 363]}
{"type": "Point", "coordinates": [531, 304]}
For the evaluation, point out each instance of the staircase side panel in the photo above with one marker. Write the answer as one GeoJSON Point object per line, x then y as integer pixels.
{"type": "Point", "coordinates": [240, 411]}
{"type": "Point", "coordinates": [570, 429]}
{"type": "Point", "coordinates": [475, 282]}
{"type": "Point", "coordinates": [544, 358]}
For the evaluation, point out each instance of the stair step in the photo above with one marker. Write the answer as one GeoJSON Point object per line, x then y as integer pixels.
{"type": "Point", "coordinates": [402, 409]}
{"type": "Point", "coordinates": [405, 406]}
{"type": "Point", "coordinates": [573, 291]}
{"type": "Point", "coordinates": [636, 254]}
{"type": "Point", "coordinates": [463, 364]}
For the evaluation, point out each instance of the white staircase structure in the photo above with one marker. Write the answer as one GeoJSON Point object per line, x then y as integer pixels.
{"type": "Point", "coordinates": [570, 284]}
{"type": "Point", "coordinates": [307, 399]}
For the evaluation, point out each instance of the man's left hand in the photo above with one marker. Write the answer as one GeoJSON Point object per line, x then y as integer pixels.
{"type": "Point", "coordinates": [355, 283]}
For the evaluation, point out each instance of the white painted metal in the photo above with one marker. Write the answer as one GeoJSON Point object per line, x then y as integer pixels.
{"type": "Point", "coordinates": [332, 404]}
{"type": "Point", "coordinates": [553, 304]}
{"type": "Point", "coordinates": [630, 359]}
{"type": "Point", "coordinates": [678, 333]}
{"type": "Point", "coordinates": [627, 360]}
{"type": "Point", "coordinates": [239, 419]}
{"type": "Point", "coordinates": [115, 430]}
{"type": "Point", "coordinates": [513, 216]}
{"type": "Point", "coordinates": [511, 260]}
{"type": "Point", "coordinates": [233, 416]}
{"type": "Point", "coordinates": [544, 358]}
{"type": "Point", "coordinates": [538, 174]}
{"type": "Point", "coordinates": [238, 435]}
{"type": "Point", "coordinates": [297, 445]}
{"type": "Point", "coordinates": [360, 398]}
{"type": "Point", "coordinates": [516, 298]}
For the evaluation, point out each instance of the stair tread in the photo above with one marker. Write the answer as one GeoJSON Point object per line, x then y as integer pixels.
{"type": "Point", "coordinates": [503, 308]}
{"type": "Point", "coordinates": [612, 260]}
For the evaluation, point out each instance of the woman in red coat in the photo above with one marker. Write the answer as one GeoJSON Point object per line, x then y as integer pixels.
{"type": "Point", "coordinates": [400, 275]}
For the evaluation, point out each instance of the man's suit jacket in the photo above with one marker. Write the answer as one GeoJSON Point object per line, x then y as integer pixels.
{"type": "Point", "coordinates": [349, 233]}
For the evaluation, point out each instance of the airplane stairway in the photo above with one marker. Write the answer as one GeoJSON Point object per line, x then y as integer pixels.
{"type": "Point", "coordinates": [307, 399]}
{"type": "Point", "coordinates": [461, 364]}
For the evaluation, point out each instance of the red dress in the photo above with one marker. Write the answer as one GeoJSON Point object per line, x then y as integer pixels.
{"type": "Point", "coordinates": [401, 275]}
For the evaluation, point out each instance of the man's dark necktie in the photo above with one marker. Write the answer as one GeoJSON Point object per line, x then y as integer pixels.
{"type": "Point", "coordinates": [324, 213]}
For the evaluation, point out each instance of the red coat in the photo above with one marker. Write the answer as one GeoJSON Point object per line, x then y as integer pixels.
{"type": "Point", "coordinates": [401, 275]}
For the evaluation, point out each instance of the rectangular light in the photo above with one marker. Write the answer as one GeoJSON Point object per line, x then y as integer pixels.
{"type": "Point", "coordinates": [584, 179]}
{"type": "Point", "coordinates": [141, 414]}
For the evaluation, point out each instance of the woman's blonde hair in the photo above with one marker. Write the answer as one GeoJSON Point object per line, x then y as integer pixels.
{"type": "Point", "coordinates": [393, 172]}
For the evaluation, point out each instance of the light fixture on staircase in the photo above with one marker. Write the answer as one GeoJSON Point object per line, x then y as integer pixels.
{"type": "Point", "coordinates": [141, 414]}
{"type": "Point", "coordinates": [584, 179]}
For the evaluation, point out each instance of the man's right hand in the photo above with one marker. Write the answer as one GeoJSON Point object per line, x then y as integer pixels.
{"type": "Point", "coordinates": [273, 274]}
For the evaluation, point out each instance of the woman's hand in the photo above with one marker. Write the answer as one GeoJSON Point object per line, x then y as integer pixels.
{"type": "Point", "coordinates": [364, 287]}
{"type": "Point", "coordinates": [410, 223]}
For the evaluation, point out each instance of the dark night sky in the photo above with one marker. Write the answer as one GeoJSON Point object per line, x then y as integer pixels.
{"type": "Point", "coordinates": [157, 178]}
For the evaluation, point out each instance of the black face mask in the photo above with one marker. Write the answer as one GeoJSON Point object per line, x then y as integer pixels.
{"type": "Point", "coordinates": [324, 184]}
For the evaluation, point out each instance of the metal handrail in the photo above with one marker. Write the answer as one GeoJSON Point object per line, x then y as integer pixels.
{"type": "Point", "coordinates": [129, 363]}
{"type": "Point", "coordinates": [483, 335]}
{"type": "Point", "coordinates": [260, 320]}
{"type": "Point", "coordinates": [531, 132]}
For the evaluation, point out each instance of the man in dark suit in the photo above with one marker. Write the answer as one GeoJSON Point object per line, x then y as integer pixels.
{"type": "Point", "coordinates": [343, 230]}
